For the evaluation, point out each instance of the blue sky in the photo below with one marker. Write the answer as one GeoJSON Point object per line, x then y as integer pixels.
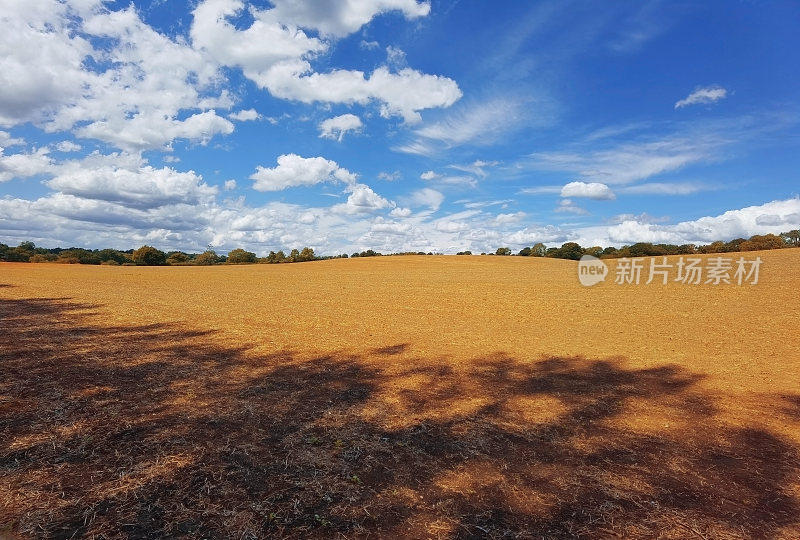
{"type": "Point", "coordinates": [396, 125]}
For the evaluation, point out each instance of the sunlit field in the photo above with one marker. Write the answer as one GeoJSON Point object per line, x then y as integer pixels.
{"type": "Point", "coordinates": [423, 396]}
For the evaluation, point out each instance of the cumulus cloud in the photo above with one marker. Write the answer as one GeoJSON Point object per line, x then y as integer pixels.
{"type": "Point", "coordinates": [390, 176]}
{"type": "Point", "coordinates": [274, 53]}
{"type": "Point", "coordinates": [336, 127]}
{"type": "Point", "coordinates": [68, 146]}
{"type": "Point", "coordinates": [110, 76]}
{"type": "Point", "coordinates": [403, 93]}
{"type": "Point", "coordinates": [400, 212]}
{"type": "Point", "coordinates": [702, 95]}
{"type": "Point", "coordinates": [245, 115]}
{"type": "Point", "coordinates": [505, 219]}
{"type": "Point", "coordinates": [430, 175]}
{"type": "Point", "coordinates": [142, 132]}
{"type": "Point", "coordinates": [293, 170]}
{"type": "Point", "coordinates": [128, 180]}
{"type": "Point", "coordinates": [426, 197]}
{"type": "Point", "coordinates": [568, 206]}
{"type": "Point", "coordinates": [362, 199]}
{"type": "Point", "coordinates": [770, 217]}
{"type": "Point", "coordinates": [531, 235]}
{"type": "Point", "coordinates": [588, 190]}
{"type": "Point", "coordinates": [342, 18]}
{"type": "Point", "coordinates": [450, 226]}
{"type": "Point", "coordinates": [6, 140]}
{"type": "Point", "coordinates": [395, 57]}
{"type": "Point", "coordinates": [24, 165]}
{"type": "Point", "coordinates": [137, 90]}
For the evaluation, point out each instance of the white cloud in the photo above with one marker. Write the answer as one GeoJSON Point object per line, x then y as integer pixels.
{"type": "Point", "coordinates": [142, 132]}
{"type": "Point", "coordinates": [665, 188]}
{"type": "Point", "coordinates": [445, 225]}
{"type": "Point", "coordinates": [229, 185]}
{"type": "Point", "coordinates": [6, 140]}
{"type": "Point", "coordinates": [644, 217]}
{"type": "Point", "coordinates": [477, 167]}
{"type": "Point", "coordinates": [589, 190]}
{"type": "Point", "coordinates": [138, 90]}
{"type": "Point", "coordinates": [389, 176]}
{"type": "Point", "coordinates": [531, 235]}
{"type": "Point", "coordinates": [426, 197]}
{"type": "Point", "coordinates": [68, 146]}
{"type": "Point", "coordinates": [24, 165]}
{"type": "Point", "coordinates": [476, 123]}
{"type": "Point", "coordinates": [419, 148]}
{"type": "Point", "coordinates": [395, 57]}
{"type": "Point", "coordinates": [505, 219]}
{"type": "Point", "coordinates": [342, 18]}
{"type": "Point", "coordinates": [128, 180]}
{"type": "Point", "coordinates": [336, 127]}
{"type": "Point", "coordinates": [369, 45]}
{"type": "Point", "coordinates": [449, 180]}
{"type": "Point", "coordinates": [569, 207]}
{"type": "Point", "coordinates": [245, 115]}
{"type": "Point", "coordinates": [404, 93]}
{"type": "Point", "coordinates": [400, 212]}
{"type": "Point", "coordinates": [629, 162]}
{"type": "Point", "coordinates": [275, 54]}
{"type": "Point", "coordinates": [541, 190]}
{"type": "Point", "coordinates": [772, 217]}
{"type": "Point", "coordinates": [294, 170]}
{"type": "Point", "coordinates": [703, 95]}
{"type": "Point", "coordinates": [462, 181]}
{"type": "Point", "coordinates": [361, 200]}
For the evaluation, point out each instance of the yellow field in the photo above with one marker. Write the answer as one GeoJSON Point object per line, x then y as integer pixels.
{"type": "Point", "coordinates": [423, 396]}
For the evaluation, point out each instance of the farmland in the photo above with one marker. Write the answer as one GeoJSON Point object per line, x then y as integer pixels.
{"type": "Point", "coordinates": [424, 396]}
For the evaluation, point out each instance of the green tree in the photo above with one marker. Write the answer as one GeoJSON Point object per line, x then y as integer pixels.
{"type": "Point", "coordinates": [569, 250]}
{"type": "Point", "coordinates": [240, 256]}
{"type": "Point", "coordinates": [765, 241]}
{"type": "Point", "coordinates": [791, 238]}
{"type": "Point", "coordinates": [503, 251]}
{"type": "Point", "coordinates": [111, 255]}
{"type": "Point", "coordinates": [176, 258]}
{"type": "Point", "coordinates": [149, 256]}
{"type": "Point", "coordinates": [594, 251]}
{"type": "Point", "coordinates": [538, 250]}
{"type": "Point", "coordinates": [78, 256]}
{"type": "Point", "coordinates": [306, 254]}
{"type": "Point", "coordinates": [207, 258]}
{"type": "Point", "coordinates": [525, 252]}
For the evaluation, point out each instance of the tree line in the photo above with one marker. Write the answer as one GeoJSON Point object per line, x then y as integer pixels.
{"type": "Point", "coordinates": [148, 256]}
{"type": "Point", "coordinates": [151, 256]}
{"type": "Point", "coordinates": [574, 251]}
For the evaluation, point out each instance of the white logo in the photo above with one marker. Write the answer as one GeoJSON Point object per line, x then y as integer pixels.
{"type": "Point", "coordinates": [591, 271]}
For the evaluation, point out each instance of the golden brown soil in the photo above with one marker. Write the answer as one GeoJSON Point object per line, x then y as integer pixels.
{"type": "Point", "coordinates": [411, 396]}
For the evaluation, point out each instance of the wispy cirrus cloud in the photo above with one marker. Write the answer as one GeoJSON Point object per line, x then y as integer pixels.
{"type": "Point", "coordinates": [703, 95]}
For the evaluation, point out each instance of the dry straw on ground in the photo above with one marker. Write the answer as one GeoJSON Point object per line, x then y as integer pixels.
{"type": "Point", "coordinates": [402, 396]}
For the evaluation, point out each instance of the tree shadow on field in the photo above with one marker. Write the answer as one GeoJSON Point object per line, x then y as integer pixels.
{"type": "Point", "coordinates": [156, 430]}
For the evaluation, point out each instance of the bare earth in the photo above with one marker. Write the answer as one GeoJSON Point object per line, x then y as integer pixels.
{"type": "Point", "coordinates": [397, 396]}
